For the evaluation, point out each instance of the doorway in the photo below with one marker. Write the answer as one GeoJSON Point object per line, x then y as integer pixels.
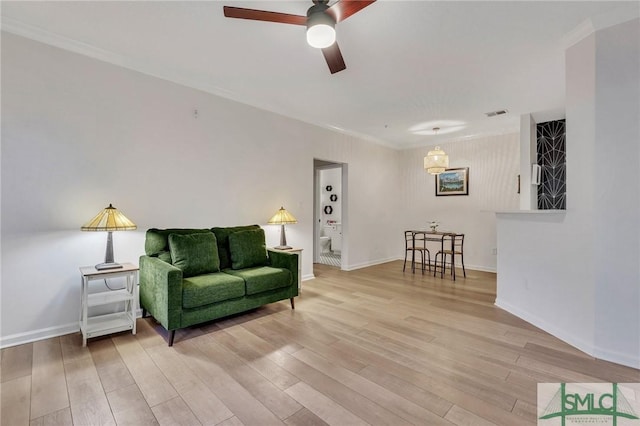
{"type": "Point", "coordinates": [329, 213]}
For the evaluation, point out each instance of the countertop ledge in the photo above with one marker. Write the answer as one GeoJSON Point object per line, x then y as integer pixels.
{"type": "Point", "coordinates": [531, 212]}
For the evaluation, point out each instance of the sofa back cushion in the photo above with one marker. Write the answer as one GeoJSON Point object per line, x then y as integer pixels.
{"type": "Point", "coordinates": [222, 235]}
{"type": "Point", "coordinates": [156, 243]}
{"type": "Point", "coordinates": [194, 254]}
{"type": "Point", "coordinates": [248, 249]}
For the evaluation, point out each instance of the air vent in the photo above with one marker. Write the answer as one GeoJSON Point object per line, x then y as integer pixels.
{"type": "Point", "coordinates": [494, 113]}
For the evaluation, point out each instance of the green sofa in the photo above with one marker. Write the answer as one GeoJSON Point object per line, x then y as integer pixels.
{"type": "Point", "coordinates": [190, 276]}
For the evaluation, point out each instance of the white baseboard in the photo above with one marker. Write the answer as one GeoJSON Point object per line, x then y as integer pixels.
{"type": "Point", "coordinates": [369, 263]}
{"type": "Point", "coordinates": [35, 335]}
{"type": "Point", "coordinates": [629, 360]}
{"type": "Point", "coordinates": [44, 333]}
{"type": "Point", "coordinates": [308, 277]}
{"type": "Point", "coordinates": [617, 357]}
{"type": "Point", "coordinates": [466, 267]}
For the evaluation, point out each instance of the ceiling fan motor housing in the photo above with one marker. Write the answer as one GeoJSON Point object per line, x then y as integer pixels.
{"type": "Point", "coordinates": [316, 15]}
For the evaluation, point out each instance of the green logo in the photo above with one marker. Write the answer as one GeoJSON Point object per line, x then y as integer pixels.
{"type": "Point", "coordinates": [588, 401]}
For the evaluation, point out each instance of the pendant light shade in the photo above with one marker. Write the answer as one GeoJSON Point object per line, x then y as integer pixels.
{"type": "Point", "coordinates": [436, 161]}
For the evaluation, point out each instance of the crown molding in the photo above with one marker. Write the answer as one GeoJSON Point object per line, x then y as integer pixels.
{"type": "Point", "coordinates": [38, 34]}
{"type": "Point", "coordinates": [599, 22]}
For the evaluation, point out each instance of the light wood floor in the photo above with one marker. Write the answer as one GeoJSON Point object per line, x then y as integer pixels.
{"type": "Point", "coordinates": [373, 346]}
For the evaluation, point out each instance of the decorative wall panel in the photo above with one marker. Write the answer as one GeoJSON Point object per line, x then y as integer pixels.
{"type": "Point", "coordinates": [552, 159]}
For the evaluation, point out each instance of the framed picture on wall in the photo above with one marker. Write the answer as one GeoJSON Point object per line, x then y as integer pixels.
{"type": "Point", "coordinates": [453, 182]}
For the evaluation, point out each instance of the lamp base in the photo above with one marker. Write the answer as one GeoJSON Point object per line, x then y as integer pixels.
{"type": "Point", "coordinates": [283, 248]}
{"type": "Point", "coordinates": [103, 266]}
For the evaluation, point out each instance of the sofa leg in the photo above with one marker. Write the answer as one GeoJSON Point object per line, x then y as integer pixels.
{"type": "Point", "coordinates": [172, 334]}
{"type": "Point", "coordinates": [293, 305]}
{"type": "Point", "coordinates": [144, 313]}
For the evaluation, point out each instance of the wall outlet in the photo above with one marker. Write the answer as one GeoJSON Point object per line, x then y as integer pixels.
{"type": "Point", "coordinates": [494, 251]}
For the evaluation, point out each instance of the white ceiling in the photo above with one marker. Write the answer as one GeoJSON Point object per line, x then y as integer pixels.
{"type": "Point", "coordinates": [408, 62]}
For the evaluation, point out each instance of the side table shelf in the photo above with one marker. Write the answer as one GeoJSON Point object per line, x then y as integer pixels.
{"type": "Point", "coordinates": [99, 325]}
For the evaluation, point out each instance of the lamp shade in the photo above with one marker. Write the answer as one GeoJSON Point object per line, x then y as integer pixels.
{"type": "Point", "coordinates": [436, 161]}
{"type": "Point", "coordinates": [282, 217]}
{"type": "Point", "coordinates": [109, 219]}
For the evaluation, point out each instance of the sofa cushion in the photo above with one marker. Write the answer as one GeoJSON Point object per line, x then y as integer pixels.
{"type": "Point", "coordinates": [157, 240]}
{"type": "Point", "coordinates": [194, 254]}
{"type": "Point", "coordinates": [263, 278]}
{"type": "Point", "coordinates": [222, 235]}
{"type": "Point", "coordinates": [248, 249]}
{"type": "Point", "coordinates": [211, 288]}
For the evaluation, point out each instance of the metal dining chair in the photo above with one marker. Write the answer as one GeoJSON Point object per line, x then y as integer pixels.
{"type": "Point", "coordinates": [413, 245]}
{"type": "Point", "coordinates": [451, 248]}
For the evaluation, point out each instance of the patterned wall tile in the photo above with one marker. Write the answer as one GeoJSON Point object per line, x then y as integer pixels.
{"type": "Point", "coordinates": [552, 159]}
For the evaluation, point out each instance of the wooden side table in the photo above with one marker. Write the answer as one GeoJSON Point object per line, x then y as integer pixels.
{"type": "Point", "coordinates": [99, 325]}
{"type": "Point", "coordinates": [298, 251]}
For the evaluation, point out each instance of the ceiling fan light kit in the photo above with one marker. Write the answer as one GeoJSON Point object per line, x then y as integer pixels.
{"type": "Point", "coordinates": [321, 31]}
{"type": "Point", "coordinates": [320, 21]}
{"type": "Point", "coordinates": [321, 36]}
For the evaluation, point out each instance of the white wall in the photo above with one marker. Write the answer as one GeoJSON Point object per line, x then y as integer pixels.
{"type": "Point", "coordinates": [576, 274]}
{"type": "Point", "coordinates": [493, 163]}
{"type": "Point", "coordinates": [78, 134]}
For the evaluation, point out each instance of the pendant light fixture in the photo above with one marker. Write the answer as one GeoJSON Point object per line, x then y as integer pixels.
{"type": "Point", "coordinates": [437, 160]}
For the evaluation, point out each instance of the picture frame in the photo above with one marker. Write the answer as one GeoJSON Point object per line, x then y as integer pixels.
{"type": "Point", "coordinates": [453, 182]}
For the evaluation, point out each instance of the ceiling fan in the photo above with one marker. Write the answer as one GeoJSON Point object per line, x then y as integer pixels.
{"type": "Point", "coordinates": [320, 22]}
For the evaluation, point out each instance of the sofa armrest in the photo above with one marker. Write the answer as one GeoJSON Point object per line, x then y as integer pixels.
{"type": "Point", "coordinates": [161, 291]}
{"type": "Point", "coordinates": [280, 259]}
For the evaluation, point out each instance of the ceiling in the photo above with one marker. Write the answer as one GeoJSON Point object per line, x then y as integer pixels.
{"type": "Point", "coordinates": [411, 65]}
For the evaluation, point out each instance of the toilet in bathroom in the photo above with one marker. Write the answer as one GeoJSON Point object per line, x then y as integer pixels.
{"type": "Point", "coordinates": [325, 244]}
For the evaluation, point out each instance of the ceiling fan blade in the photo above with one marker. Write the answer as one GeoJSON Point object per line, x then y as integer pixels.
{"type": "Point", "coordinates": [345, 8]}
{"type": "Point", "coordinates": [263, 15]}
{"type": "Point", "coordinates": [334, 58]}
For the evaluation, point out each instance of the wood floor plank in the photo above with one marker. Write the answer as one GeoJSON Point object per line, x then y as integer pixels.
{"type": "Point", "coordinates": [241, 342]}
{"type": "Point", "coordinates": [462, 417]}
{"type": "Point", "coordinates": [348, 398]}
{"type": "Point", "coordinates": [304, 417]}
{"type": "Point", "coordinates": [15, 401]}
{"type": "Point", "coordinates": [130, 407]}
{"type": "Point", "coordinates": [303, 334]}
{"type": "Point", "coordinates": [329, 411]}
{"type": "Point", "coordinates": [447, 389]}
{"type": "Point", "coordinates": [206, 406]}
{"type": "Point", "coordinates": [48, 382]}
{"type": "Point", "coordinates": [111, 369]}
{"type": "Point", "coordinates": [152, 383]}
{"type": "Point", "coordinates": [239, 400]}
{"type": "Point", "coordinates": [88, 401]}
{"type": "Point", "coordinates": [262, 389]}
{"type": "Point", "coordinates": [174, 412]}
{"type": "Point", "coordinates": [17, 361]}
{"type": "Point", "coordinates": [409, 391]}
{"type": "Point", "coordinates": [387, 399]}
{"type": "Point", "coordinates": [233, 421]}
{"type": "Point", "coordinates": [57, 418]}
